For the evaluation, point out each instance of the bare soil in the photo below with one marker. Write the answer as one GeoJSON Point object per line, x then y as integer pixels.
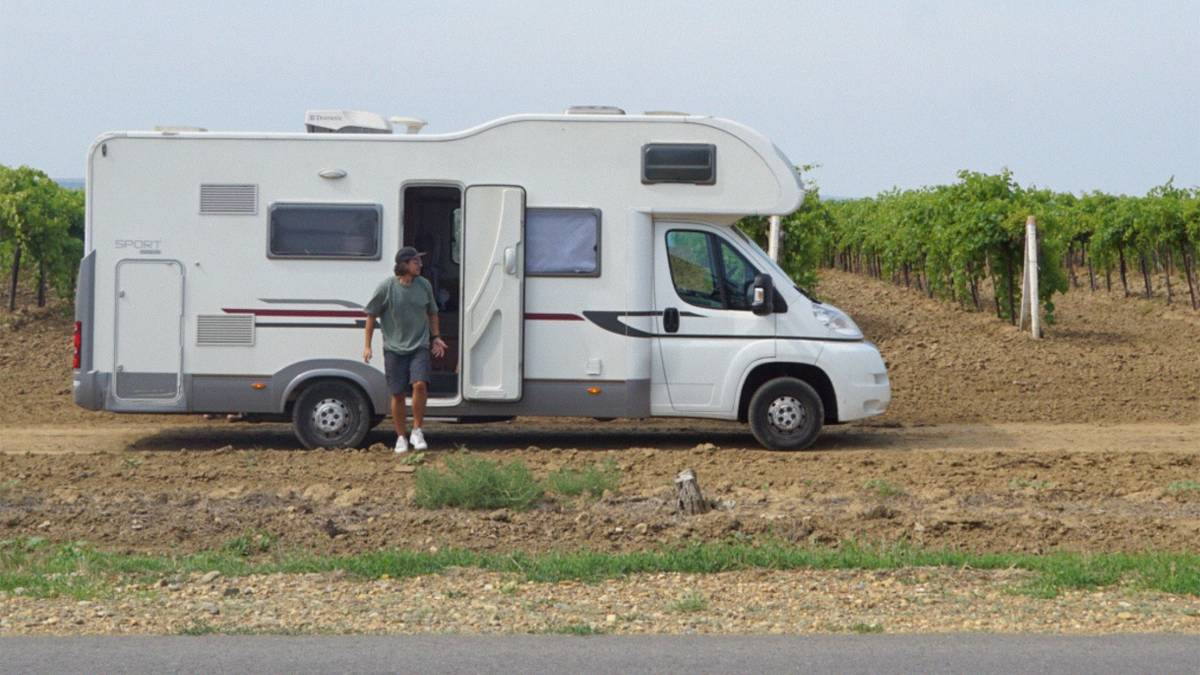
{"type": "Point", "coordinates": [995, 442]}
{"type": "Point", "coordinates": [1088, 440]}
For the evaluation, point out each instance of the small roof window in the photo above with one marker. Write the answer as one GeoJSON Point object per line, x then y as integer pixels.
{"type": "Point", "coordinates": [694, 163]}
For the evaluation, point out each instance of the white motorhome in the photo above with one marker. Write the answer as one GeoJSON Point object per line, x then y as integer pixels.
{"type": "Point", "coordinates": [584, 264]}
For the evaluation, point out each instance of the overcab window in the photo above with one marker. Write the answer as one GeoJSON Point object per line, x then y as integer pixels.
{"type": "Point", "coordinates": [693, 163]}
{"type": "Point", "coordinates": [562, 242]}
{"type": "Point", "coordinates": [344, 231]}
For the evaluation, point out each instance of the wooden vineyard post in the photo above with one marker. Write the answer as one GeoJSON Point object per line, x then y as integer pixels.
{"type": "Point", "coordinates": [1029, 281]}
{"type": "Point", "coordinates": [773, 239]}
{"type": "Point", "coordinates": [688, 499]}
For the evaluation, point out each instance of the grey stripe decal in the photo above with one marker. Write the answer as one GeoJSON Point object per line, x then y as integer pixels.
{"type": "Point", "coordinates": [290, 301]}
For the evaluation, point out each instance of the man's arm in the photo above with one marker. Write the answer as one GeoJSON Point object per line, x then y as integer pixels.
{"type": "Point", "coordinates": [370, 334]}
{"type": "Point", "coordinates": [437, 346]}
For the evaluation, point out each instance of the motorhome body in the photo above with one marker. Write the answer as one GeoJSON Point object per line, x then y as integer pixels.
{"type": "Point", "coordinates": [584, 265]}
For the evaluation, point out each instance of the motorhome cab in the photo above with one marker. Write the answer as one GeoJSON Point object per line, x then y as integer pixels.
{"type": "Point", "coordinates": [584, 264]}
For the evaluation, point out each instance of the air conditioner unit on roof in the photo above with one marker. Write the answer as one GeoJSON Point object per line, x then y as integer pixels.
{"type": "Point", "coordinates": [345, 122]}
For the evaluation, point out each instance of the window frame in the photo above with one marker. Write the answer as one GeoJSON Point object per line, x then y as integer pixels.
{"type": "Point", "coordinates": [599, 234]}
{"type": "Point", "coordinates": [712, 156]}
{"type": "Point", "coordinates": [378, 208]}
{"type": "Point", "coordinates": [714, 254]}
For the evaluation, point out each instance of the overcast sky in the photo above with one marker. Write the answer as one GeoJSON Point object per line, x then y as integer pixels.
{"type": "Point", "coordinates": [1070, 95]}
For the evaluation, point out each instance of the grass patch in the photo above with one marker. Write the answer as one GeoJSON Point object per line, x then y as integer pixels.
{"type": "Point", "coordinates": [474, 483]}
{"type": "Point", "coordinates": [1177, 487]}
{"type": "Point", "coordinates": [575, 629]}
{"type": "Point", "coordinates": [866, 628]}
{"type": "Point", "coordinates": [75, 570]}
{"type": "Point", "coordinates": [251, 543]}
{"type": "Point", "coordinates": [882, 488]}
{"type": "Point", "coordinates": [593, 480]}
{"type": "Point", "coordinates": [690, 603]}
{"type": "Point", "coordinates": [8, 487]}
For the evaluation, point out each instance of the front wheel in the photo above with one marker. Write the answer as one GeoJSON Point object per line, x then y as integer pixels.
{"type": "Point", "coordinates": [786, 414]}
{"type": "Point", "coordinates": [331, 414]}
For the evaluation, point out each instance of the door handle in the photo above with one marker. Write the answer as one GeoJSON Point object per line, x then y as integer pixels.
{"type": "Point", "coordinates": [510, 260]}
{"type": "Point", "coordinates": [671, 320]}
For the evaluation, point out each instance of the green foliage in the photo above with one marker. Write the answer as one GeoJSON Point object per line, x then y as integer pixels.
{"type": "Point", "coordinates": [949, 240]}
{"type": "Point", "coordinates": [882, 488]}
{"type": "Point", "coordinates": [1180, 486]}
{"type": "Point", "coordinates": [41, 227]}
{"type": "Point", "coordinates": [251, 543]}
{"type": "Point", "coordinates": [474, 483]}
{"type": "Point", "coordinates": [593, 480]}
{"type": "Point", "coordinates": [690, 603]}
{"type": "Point", "coordinates": [79, 571]}
{"type": "Point", "coordinates": [581, 629]}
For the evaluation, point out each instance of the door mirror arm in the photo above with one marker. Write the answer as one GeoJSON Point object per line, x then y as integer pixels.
{"type": "Point", "coordinates": [763, 302]}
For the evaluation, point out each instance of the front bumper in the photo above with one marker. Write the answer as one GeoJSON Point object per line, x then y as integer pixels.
{"type": "Point", "coordinates": [859, 377]}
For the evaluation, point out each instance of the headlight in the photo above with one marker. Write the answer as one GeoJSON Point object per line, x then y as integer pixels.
{"type": "Point", "coordinates": [837, 321]}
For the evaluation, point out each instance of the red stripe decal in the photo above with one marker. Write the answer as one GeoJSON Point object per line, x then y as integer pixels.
{"type": "Point", "coordinates": [296, 312]}
{"type": "Point", "coordinates": [552, 317]}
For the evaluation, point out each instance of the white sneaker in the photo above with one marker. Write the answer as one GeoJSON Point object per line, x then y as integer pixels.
{"type": "Point", "coordinates": [401, 445]}
{"type": "Point", "coordinates": [418, 440]}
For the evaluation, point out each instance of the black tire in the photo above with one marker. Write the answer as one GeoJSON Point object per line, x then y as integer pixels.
{"type": "Point", "coordinates": [331, 414]}
{"type": "Point", "coordinates": [786, 414]}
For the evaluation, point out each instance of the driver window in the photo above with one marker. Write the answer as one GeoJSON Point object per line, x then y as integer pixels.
{"type": "Point", "coordinates": [708, 272]}
{"type": "Point", "coordinates": [692, 268]}
{"type": "Point", "coordinates": [738, 277]}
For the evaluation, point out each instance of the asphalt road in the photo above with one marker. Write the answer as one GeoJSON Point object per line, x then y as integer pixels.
{"type": "Point", "coordinates": [973, 653]}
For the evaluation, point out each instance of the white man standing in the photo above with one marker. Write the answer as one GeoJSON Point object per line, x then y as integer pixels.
{"type": "Point", "coordinates": [407, 313]}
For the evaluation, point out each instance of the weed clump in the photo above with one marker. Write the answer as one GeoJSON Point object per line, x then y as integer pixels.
{"type": "Point", "coordinates": [473, 483]}
{"type": "Point", "coordinates": [593, 480]}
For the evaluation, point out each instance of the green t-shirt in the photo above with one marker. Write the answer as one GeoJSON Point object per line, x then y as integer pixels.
{"type": "Point", "coordinates": [403, 313]}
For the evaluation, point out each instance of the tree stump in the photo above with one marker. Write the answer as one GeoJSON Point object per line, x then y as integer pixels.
{"type": "Point", "coordinates": [688, 499]}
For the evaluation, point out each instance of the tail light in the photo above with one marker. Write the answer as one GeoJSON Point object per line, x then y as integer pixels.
{"type": "Point", "coordinates": [78, 342]}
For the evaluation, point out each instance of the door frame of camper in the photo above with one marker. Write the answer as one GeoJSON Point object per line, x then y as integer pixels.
{"type": "Point", "coordinates": [457, 399]}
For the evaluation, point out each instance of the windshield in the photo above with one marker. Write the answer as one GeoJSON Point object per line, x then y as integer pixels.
{"type": "Point", "coordinates": [756, 250]}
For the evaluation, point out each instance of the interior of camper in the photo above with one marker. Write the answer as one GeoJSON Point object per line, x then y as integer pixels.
{"type": "Point", "coordinates": [432, 222]}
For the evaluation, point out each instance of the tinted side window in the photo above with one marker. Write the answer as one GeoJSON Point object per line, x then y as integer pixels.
{"type": "Point", "coordinates": [693, 268]}
{"type": "Point", "coordinates": [325, 231]}
{"type": "Point", "coordinates": [562, 242]}
{"type": "Point", "coordinates": [738, 278]}
{"type": "Point", "coordinates": [679, 163]}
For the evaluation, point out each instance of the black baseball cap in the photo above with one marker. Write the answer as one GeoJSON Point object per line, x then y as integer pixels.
{"type": "Point", "coordinates": [407, 253]}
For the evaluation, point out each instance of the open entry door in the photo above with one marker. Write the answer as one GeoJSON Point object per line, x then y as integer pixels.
{"type": "Point", "coordinates": [493, 292]}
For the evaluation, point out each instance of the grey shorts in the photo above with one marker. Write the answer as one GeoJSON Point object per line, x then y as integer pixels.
{"type": "Point", "coordinates": [403, 370]}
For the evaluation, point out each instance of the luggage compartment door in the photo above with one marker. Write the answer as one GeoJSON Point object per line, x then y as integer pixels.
{"type": "Point", "coordinates": [493, 292]}
{"type": "Point", "coordinates": [149, 335]}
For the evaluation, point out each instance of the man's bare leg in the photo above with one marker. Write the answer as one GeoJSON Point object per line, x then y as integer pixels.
{"type": "Point", "coordinates": [420, 393]}
{"type": "Point", "coordinates": [398, 415]}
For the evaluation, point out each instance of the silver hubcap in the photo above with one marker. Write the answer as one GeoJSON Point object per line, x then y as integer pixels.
{"type": "Point", "coordinates": [785, 413]}
{"type": "Point", "coordinates": [331, 417]}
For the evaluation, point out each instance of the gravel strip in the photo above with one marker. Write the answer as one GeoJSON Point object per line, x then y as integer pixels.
{"type": "Point", "coordinates": [471, 601]}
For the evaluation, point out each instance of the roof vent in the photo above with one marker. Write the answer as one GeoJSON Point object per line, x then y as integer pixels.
{"type": "Point", "coordinates": [411, 125]}
{"type": "Point", "coordinates": [345, 122]}
{"type": "Point", "coordinates": [593, 110]}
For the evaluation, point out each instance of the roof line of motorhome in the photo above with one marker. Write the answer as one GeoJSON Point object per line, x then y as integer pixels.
{"type": "Point", "coordinates": [754, 140]}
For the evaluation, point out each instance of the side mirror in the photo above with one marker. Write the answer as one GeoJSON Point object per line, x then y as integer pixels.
{"type": "Point", "coordinates": [763, 300]}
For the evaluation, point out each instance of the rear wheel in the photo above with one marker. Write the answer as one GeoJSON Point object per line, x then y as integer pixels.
{"type": "Point", "coordinates": [786, 414]}
{"type": "Point", "coordinates": [331, 414]}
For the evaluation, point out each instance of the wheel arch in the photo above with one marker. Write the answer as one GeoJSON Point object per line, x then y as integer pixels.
{"type": "Point", "coordinates": [810, 374]}
{"type": "Point", "coordinates": [295, 378]}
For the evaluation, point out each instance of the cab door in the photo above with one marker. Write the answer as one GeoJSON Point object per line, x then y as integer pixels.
{"type": "Point", "coordinates": [706, 331]}
{"type": "Point", "coordinates": [493, 292]}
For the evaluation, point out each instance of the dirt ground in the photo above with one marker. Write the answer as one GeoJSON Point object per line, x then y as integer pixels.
{"type": "Point", "coordinates": [1087, 440]}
